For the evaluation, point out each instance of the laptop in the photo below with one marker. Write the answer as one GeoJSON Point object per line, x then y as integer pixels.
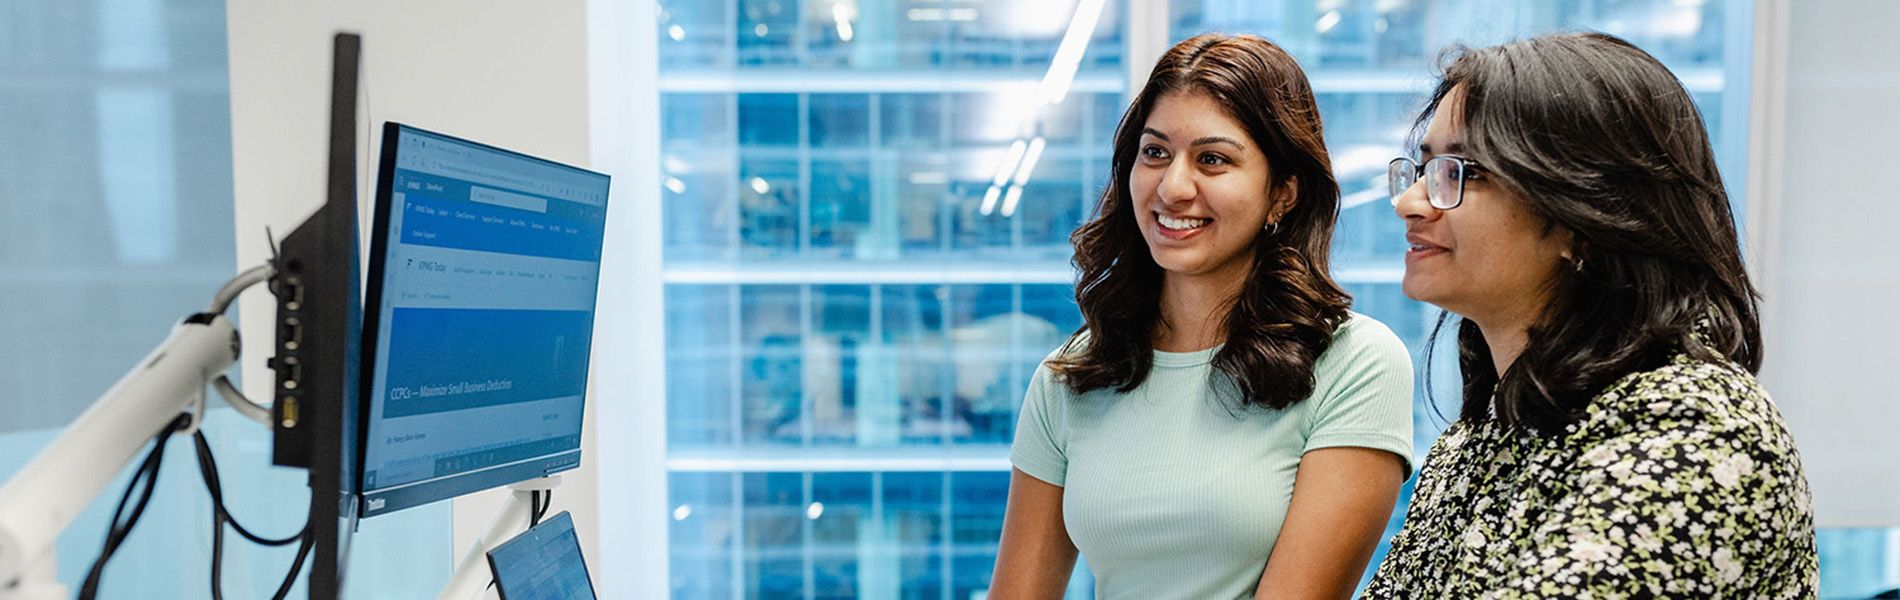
{"type": "Point", "coordinates": [543, 563]}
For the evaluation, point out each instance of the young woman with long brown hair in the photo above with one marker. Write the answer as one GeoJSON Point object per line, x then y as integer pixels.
{"type": "Point", "coordinates": [1222, 425]}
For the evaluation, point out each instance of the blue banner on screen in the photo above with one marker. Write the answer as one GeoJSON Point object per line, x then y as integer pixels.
{"type": "Point", "coordinates": [444, 359]}
{"type": "Point", "coordinates": [483, 274]}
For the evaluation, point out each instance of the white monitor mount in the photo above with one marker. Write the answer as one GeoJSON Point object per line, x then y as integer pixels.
{"type": "Point", "coordinates": [44, 497]}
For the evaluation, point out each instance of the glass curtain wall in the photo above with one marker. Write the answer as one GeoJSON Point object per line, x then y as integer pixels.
{"type": "Point", "coordinates": [867, 212]}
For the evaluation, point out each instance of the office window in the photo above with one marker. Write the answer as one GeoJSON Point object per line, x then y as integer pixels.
{"type": "Point", "coordinates": [115, 222]}
{"type": "Point", "coordinates": [854, 309]}
{"type": "Point", "coordinates": [115, 212]}
{"type": "Point", "coordinates": [852, 313]}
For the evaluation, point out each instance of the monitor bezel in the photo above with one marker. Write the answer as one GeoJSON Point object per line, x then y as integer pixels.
{"type": "Point", "coordinates": [461, 484]}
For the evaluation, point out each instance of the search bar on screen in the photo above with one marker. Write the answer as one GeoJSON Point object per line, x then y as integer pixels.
{"type": "Point", "coordinates": [508, 199]}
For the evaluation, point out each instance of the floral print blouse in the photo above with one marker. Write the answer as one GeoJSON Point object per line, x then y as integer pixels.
{"type": "Point", "coordinates": [1679, 482]}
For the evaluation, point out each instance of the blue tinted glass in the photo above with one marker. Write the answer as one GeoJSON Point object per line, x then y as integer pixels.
{"type": "Point", "coordinates": [845, 521]}
{"type": "Point", "coordinates": [703, 518]}
{"type": "Point", "coordinates": [840, 120]}
{"type": "Point", "coordinates": [701, 360]}
{"type": "Point", "coordinates": [1050, 206]}
{"type": "Point", "coordinates": [694, 34]}
{"type": "Point", "coordinates": [1053, 304]}
{"type": "Point", "coordinates": [976, 523]}
{"type": "Point", "coordinates": [767, 32]}
{"type": "Point", "coordinates": [1408, 318]}
{"type": "Point", "coordinates": [692, 119]}
{"type": "Point", "coordinates": [771, 378]}
{"type": "Point", "coordinates": [912, 320]}
{"type": "Point", "coordinates": [1857, 563]}
{"type": "Point", "coordinates": [768, 119]}
{"type": "Point", "coordinates": [843, 366]}
{"type": "Point", "coordinates": [820, 181]}
{"type": "Point", "coordinates": [914, 522]}
{"type": "Point", "coordinates": [986, 330]}
{"type": "Point", "coordinates": [699, 191]}
{"type": "Point", "coordinates": [841, 210]}
{"type": "Point", "coordinates": [773, 556]}
{"type": "Point", "coordinates": [768, 205]}
{"type": "Point", "coordinates": [974, 234]}
{"type": "Point", "coordinates": [1363, 133]}
{"type": "Point", "coordinates": [910, 120]}
{"type": "Point", "coordinates": [923, 201]}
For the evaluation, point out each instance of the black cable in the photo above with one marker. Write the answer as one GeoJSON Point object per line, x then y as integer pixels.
{"type": "Point", "coordinates": [534, 507]}
{"type": "Point", "coordinates": [208, 468]}
{"type": "Point", "coordinates": [221, 516]}
{"type": "Point", "coordinates": [540, 509]}
{"type": "Point", "coordinates": [117, 533]}
{"type": "Point", "coordinates": [290, 579]}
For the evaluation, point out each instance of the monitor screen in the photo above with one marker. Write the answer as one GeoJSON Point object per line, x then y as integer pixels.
{"type": "Point", "coordinates": [543, 563]}
{"type": "Point", "coordinates": [482, 279]}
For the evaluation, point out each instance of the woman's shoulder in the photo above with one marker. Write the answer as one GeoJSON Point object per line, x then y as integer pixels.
{"type": "Point", "coordinates": [1360, 339]}
{"type": "Point", "coordinates": [1710, 396]}
{"type": "Point", "coordinates": [1071, 347]}
{"type": "Point", "coordinates": [1361, 329]}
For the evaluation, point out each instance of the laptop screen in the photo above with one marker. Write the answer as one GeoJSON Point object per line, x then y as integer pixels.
{"type": "Point", "coordinates": [543, 563]}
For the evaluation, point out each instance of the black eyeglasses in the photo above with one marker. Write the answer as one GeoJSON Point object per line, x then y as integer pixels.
{"type": "Point", "coordinates": [1444, 175]}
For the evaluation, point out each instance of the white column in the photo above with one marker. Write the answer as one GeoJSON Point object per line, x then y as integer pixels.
{"type": "Point", "coordinates": [1820, 233]}
{"type": "Point", "coordinates": [629, 361]}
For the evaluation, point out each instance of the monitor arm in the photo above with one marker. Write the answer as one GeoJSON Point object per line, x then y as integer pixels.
{"type": "Point", "coordinates": [44, 497]}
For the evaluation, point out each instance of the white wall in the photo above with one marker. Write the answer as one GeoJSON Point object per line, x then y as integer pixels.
{"type": "Point", "coordinates": [1821, 229]}
{"type": "Point", "coordinates": [513, 74]}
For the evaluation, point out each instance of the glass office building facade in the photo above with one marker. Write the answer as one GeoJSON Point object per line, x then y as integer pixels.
{"type": "Point", "coordinates": [853, 313]}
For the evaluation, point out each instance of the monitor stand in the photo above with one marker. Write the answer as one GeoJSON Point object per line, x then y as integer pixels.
{"type": "Point", "coordinates": [472, 574]}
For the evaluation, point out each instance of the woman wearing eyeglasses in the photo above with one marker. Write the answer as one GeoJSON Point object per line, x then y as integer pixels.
{"type": "Point", "coordinates": [1613, 441]}
{"type": "Point", "coordinates": [1222, 425]}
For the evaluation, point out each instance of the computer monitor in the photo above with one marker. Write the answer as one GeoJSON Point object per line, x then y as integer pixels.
{"type": "Point", "coordinates": [479, 315]}
{"type": "Point", "coordinates": [543, 563]}
{"type": "Point", "coordinates": [318, 337]}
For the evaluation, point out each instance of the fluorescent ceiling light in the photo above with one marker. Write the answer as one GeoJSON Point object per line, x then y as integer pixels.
{"type": "Point", "coordinates": [1010, 159]}
{"type": "Point", "coordinates": [1327, 21]}
{"type": "Point", "coordinates": [1075, 42]}
{"type": "Point", "coordinates": [842, 15]}
{"type": "Point", "coordinates": [1029, 162]}
{"type": "Point", "coordinates": [1009, 200]}
{"type": "Point", "coordinates": [989, 199]}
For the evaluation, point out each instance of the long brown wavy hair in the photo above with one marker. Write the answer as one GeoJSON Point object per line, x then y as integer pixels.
{"type": "Point", "coordinates": [1287, 310]}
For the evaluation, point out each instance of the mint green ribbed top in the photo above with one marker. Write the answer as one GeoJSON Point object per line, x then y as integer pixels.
{"type": "Point", "coordinates": [1169, 492]}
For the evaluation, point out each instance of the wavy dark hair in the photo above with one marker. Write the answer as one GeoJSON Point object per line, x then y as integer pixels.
{"type": "Point", "coordinates": [1599, 139]}
{"type": "Point", "coordinates": [1287, 310]}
